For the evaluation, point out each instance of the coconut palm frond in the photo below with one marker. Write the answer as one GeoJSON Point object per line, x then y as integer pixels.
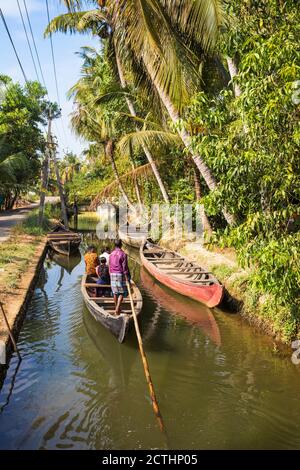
{"type": "Point", "coordinates": [11, 165]}
{"type": "Point", "coordinates": [83, 125]}
{"type": "Point", "coordinates": [141, 120]}
{"type": "Point", "coordinates": [110, 95]}
{"type": "Point", "coordinates": [97, 21]}
{"type": "Point", "coordinates": [144, 27]}
{"type": "Point", "coordinates": [141, 171]}
{"type": "Point", "coordinates": [67, 23]}
{"type": "Point", "coordinates": [199, 19]}
{"type": "Point", "coordinates": [149, 138]}
{"type": "Point", "coordinates": [74, 5]}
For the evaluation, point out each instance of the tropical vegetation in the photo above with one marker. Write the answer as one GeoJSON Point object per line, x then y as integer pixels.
{"type": "Point", "coordinates": [183, 101]}
{"type": "Point", "coordinates": [21, 137]}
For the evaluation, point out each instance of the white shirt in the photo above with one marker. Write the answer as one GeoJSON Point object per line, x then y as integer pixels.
{"type": "Point", "coordinates": [105, 255]}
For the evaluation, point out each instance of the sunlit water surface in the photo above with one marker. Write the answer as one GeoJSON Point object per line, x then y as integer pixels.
{"type": "Point", "coordinates": [219, 383]}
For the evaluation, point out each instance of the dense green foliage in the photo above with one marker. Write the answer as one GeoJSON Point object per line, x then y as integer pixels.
{"type": "Point", "coordinates": [252, 145]}
{"type": "Point", "coordinates": [21, 138]}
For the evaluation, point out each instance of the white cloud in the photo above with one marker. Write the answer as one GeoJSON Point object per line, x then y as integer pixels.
{"type": "Point", "coordinates": [10, 7]}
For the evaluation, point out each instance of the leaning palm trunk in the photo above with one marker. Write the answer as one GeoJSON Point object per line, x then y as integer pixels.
{"type": "Point", "coordinates": [135, 181]}
{"type": "Point", "coordinates": [233, 71]}
{"type": "Point", "coordinates": [109, 150]}
{"type": "Point", "coordinates": [61, 192]}
{"type": "Point", "coordinates": [44, 175]}
{"type": "Point", "coordinates": [187, 140]}
{"type": "Point", "coordinates": [145, 147]}
{"type": "Point", "coordinates": [204, 219]}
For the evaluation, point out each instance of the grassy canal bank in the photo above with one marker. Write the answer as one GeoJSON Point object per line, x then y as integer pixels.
{"type": "Point", "coordinates": [21, 258]}
{"type": "Point", "coordinates": [261, 310]}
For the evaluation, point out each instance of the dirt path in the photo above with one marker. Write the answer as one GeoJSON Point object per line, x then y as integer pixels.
{"type": "Point", "coordinates": [9, 219]}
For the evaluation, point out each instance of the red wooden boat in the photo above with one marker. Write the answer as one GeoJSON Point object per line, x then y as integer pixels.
{"type": "Point", "coordinates": [183, 276]}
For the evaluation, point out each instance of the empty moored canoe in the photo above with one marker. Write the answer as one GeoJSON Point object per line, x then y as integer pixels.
{"type": "Point", "coordinates": [183, 276]}
{"type": "Point", "coordinates": [134, 239]}
{"type": "Point", "coordinates": [102, 308]}
{"type": "Point", "coordinates": [63, 241]}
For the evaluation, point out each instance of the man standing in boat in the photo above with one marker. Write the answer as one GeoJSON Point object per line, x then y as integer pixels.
{"type": "Point", "coordinates": [118, 270]}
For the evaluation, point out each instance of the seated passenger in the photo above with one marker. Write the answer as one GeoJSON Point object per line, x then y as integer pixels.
{"type": "Point", "coordinates": [105, 253]}
{"type": "Point", "coordinates": [102, 272]}
{"type": "Point", "coordinates": [91, 261]}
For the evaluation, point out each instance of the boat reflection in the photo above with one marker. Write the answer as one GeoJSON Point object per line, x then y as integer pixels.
{"type": "Point", "coordinates": [66, 262]}
{"type": "Point", "coordinates": [118, 357]}
{"type": "Point", "coordinates": [193, 312]}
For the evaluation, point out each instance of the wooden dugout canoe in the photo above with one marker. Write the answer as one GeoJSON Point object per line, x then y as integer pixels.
{"type": "Point", "coordinates": [134, 239]}
{"type": "Point", "coordinates": [183, 276]}
{"type": "Point", "coordinates": [63, 241]}
{"type": "Point", "coordinates": [102, 308]}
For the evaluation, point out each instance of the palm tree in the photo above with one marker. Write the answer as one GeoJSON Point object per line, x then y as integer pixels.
{"type": "Point", "coordinates": [11, 169]}
{"type": "Point", "coordinates": [69, 166]}
{"type": "Point", "coordinates": [99, 23]}
{"type": "Point", "coordinates": [88, 122]}
{"type": "Point", "coordinates": [167, 38]}
{"type": "Point", "coordinates": [152, 32]}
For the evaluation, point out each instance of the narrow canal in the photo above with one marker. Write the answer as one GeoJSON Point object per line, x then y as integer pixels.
{"type": "Point", "coordinates": [219, 383]}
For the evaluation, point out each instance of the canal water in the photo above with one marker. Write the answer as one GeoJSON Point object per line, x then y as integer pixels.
{"type": "Point", "coordinates": [220, 384]}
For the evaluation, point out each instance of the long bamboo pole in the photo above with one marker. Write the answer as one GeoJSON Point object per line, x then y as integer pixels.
{"type": "Point", "coordinates": [145, 363]}
{"type": "Point", "coordinates": [10, 332]}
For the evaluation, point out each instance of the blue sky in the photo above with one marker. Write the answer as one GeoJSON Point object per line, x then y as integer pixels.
{"type": "Point", "coordinates": [65, 48]}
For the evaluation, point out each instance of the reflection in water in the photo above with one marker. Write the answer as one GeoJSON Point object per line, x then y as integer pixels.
{"type": "Point", "coordinates": [68, 263]}
{"type": "Point", "coordinates": [78, 388]}
{"type": "Point", "coordinates": [174, 303]}
{"type": "Point", "coordinates": [12, 384]}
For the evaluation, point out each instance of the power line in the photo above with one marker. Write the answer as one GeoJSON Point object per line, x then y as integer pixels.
{"type": "Point", "coordinates": [52, 52]}
{"type": "Point", "coordinates": [34, 44]}
{"type": "Point", "coordinates": [28, 42]}
{"type": "Point", "coordinates": [12, 43]}
{"type": "Point", "coordinates": [55, 74]}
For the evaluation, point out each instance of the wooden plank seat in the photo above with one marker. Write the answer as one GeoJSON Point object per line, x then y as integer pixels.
{"type": "Point", "coordinates": [166, 260]}
{"type": "Point", "coordinates": [186, 273]}
{"type": "Point", "coordinates": [108, 301]}
{"type": "Point", "coordinates": [94, 284]}
{"type": "Point", "coordinates": [63, 235]}
{"type": "Point", "coordinates": [189, 269]}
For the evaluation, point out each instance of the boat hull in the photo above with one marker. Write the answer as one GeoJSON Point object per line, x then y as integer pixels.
{"type": "Point", "coordinates": [65, 247]}
{"type": "Point", "coordinates": [120, 325]}
{"type": "Point", "coordinates": [135, 240]}
{"type": "Point", "coordinates": [209, 295]}
{"type": "Point", "coordinates": [63, 241]}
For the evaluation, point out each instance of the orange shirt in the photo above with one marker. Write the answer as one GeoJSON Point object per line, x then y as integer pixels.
{"type": "Point", "coordinates": [91, 262]}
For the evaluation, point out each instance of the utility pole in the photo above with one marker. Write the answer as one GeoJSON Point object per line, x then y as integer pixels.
{"type": "Point", "coordinates": [60, 186]}
{"type": "Point", "coordinates": [45, 172]}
